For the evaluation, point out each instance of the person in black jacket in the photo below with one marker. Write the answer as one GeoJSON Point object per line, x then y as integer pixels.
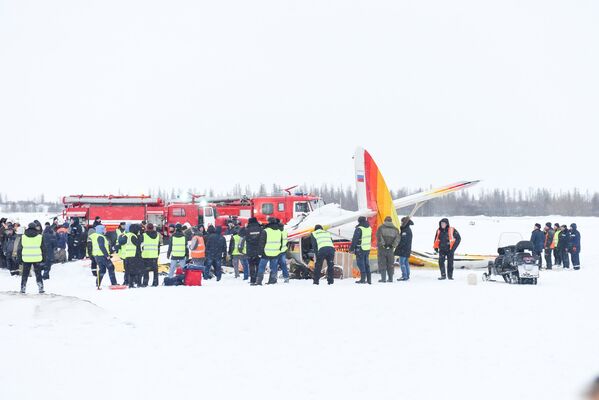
{"type": "Point", "coordinates": [216, 247]}
{"type": "Point", "coordinates": [252, 238]}
{"type": "Point", "coordinates": [50, 245]}
{"type": "Point", "coordinates": [537, 238]}
{"type": "Point", "coordinates": [31, 232]}
{"type": "Point", "coordinates": [150, 263]}
{"type": "Point", "coordinates": [362, 250]}
{"type": "Point", "coordinates": [8, 249]}
{"type": "Point", "coordinates": [404, 250]}
{"type": "Point", "coordinates": [135, 263]}
{"type": "Point", "coordinates": [563, 246]}
{"type": "Point", "coordinates": [574, 247]}
{"type": "Point", "coordinates": [447, 240]}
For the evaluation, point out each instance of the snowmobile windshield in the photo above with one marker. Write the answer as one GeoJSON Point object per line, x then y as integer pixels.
{"type": "Point", "coordinates": [509, 239]}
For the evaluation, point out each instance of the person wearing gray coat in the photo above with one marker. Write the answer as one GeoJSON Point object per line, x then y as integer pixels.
{"type": "Point", "coordinates": [387, 239]}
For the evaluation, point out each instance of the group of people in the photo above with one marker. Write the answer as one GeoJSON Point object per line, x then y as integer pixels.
{"type": "Point", "coordinates": [253, 247]}
{"type": "Point", "coordinates": [35, 247]}
{"type": "Point", "coordinates": [560, 245]}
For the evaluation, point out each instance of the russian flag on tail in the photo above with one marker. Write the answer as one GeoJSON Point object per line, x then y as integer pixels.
{"type": "Point", "coordinates": [360, 178]}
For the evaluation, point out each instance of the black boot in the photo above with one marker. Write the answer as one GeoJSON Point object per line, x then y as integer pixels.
{"type": "Point", "coordinates": [259, 279]}
{"type": "Point", "coordinates": [40, 286]}
{"type": "Point", "coordinates": [369, 278]}
{"type": "Point", "coordinates": [383, 276]}
{"type": "Point", "coordinates": [362, 278]}
{"type": "Point", "coordinates": [390, 276]}
{"type": "Point", "coordinates": [23, 289]}
{"type": "Point", "coordinates": [442, 278]}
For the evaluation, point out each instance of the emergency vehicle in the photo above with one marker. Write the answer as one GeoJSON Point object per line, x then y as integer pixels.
{"type": "Point", "coordinates": [135, 209]}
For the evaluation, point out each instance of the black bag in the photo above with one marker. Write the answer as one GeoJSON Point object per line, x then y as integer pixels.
{"type": "Point", "coordinates": [177, 280]}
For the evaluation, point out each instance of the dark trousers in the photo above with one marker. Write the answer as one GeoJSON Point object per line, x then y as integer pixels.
{"type": "Point", "coordinates": [37, 268]}
{"type": "Point", "coordinates": [446, 255]}
{"type": "Point", "coordinates": [328, 254]}
{"type": "Point", "coordinates": [215, 263]}
{"type": "Point", "coordinates": [548, 259]}
{"type": "Point", "coordinates": [127, 269]}
{"type": "Point", "coordinates": [12, 265]}
{"type": "Point", "coordinates": [150, 265]}
{"type": "Point", "coordinates": [538, 254]}
{"type": "Point", "coordinates": [557, 257]}
{"type": "Point", "coordinates": [565, 258]}
{"type": "Point", "coordinates": [71, 249]}
{"type": "Point", "coordinates": [254, 262]}
{"type": "Point", "coordinates": [94, 266]}
{"type": "Point", "coordinates": [104, 264]}
{"type": "Point", "coordinates": [575, 259]}
{"type": "Point", "coordinates": [363, 261]}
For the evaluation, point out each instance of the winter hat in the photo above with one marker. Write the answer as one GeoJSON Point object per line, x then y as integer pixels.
{"type": "Point", "coordinates": [361, 220]}
{"type": "Point", "coordinates": [388, 219]}
{"type": "Point", "coordinates": [150, 227]}
{"type": "Point", "coordinates": [573, 226]}
{"type": "Point", "coordinates": [178, 227]}
{"type": "Point", "coordinates": [65, 225]}
{"type": "Point", "coordinates": [90, 231]}
{"type": "Point", "coordinates": [317, 227]}
{"type": "Point", "coordinates": [252, 220]}
{"type": "Point", "coordinates": [556, 225]}
{"type": "Point", "coordinates": [537, 225]}
{"type": "Point", "coordinates": [406, 221]}
{"type": "Point", "coordinates": [31, 225]}
{"type": "Point", "coordinates": [548, 224]}
{"type": "Point", "coordinates": [100, 229]}
{"type": "Point", "coordinates": [211, 229]}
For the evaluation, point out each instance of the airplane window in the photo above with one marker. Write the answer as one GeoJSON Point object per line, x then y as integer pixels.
{"type": "Point", "coordinates": [267, 208]}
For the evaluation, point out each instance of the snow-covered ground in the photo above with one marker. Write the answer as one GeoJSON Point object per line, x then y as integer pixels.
{"type": "Point", "coordinates": [423, 339]}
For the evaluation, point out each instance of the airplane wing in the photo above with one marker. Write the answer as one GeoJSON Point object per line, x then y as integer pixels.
{"type": "Point", "coordinates": [427, 195]}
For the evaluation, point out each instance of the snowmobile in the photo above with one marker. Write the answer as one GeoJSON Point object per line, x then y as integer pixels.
{"type": "Point", "coordinates": [516, 264]}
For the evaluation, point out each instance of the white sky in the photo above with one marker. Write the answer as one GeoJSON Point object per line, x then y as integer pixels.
{"type": "Point", "coordinates": [213, 93]}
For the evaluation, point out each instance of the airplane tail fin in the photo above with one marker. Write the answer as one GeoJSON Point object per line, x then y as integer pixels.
{"type": "Point", "coordinates": [372, 190]}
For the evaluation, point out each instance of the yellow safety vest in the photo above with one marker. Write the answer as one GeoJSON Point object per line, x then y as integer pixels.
{"type": "Point", "coordinates": [129, 248]}
{"type": "Point", "coordinates": [96, 250]}
{"type": "Point", "coordinates": [32, 249]}
{"type": "Point", "coordinates": [178, 246]}
{"type": "Point", "coordinates": [235, 239]}
{"type": "Point", "coordinates": [366, 240]}
{"type": "Point", "coordinates": [284, 242]}
{"type": "Point", "coordinates": [151, 247]}
{"type": "Point", "coordinates": [120, 233]}
{"type": "Point", "coordinates": [273, 242]}
{"type": "Point", "coordinates": [323, 239]}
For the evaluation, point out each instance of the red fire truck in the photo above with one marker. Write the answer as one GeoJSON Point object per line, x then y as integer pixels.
{"type": "Point", "coordinates": [284, 207]}
{"type": "Point", "coordinates": [134, 209]}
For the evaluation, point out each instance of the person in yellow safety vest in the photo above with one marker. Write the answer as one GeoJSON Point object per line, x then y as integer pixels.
{"type": "Point", "coordinates": [150, 250]}
{"type": "Point", "coordinates": [177, 250]}
{"type": "Point", "coordinates": [283, 256]}
{"type": "Point", "coordinates": [235, 252]}
{"type": "Point", "coordinates": [556, 254]}
{"type": "Point", "coordinates": [324, 248]}
{"type": "Point", "coordinates": [360, 246]}
{"type": "Point", "coordinates": [244, 259]}
{"type": "Point", "coordinates": [31, 254]}
{"type": "Point", "coordinates": [131, 254]}
{"type": "Point", "coordinates": [119, 231]}
{"type": "Point", "coordinates": [270, 243]}
{"type": "Point", "coordinates": [100, 251]}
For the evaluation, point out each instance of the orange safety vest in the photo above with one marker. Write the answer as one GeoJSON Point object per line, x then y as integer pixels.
{"type": "Point", "coordinates": [451, 238]}
{"type": "Point", "coordinates": [552, 245]}
{"type": "Point", "coordinates": [200, 250]}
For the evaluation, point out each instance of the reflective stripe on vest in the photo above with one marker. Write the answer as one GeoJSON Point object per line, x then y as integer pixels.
{"type": "Point", "coordinates": [200, 250]}
{"type": "Point", "coordinates": [366, 239]}
{"type": "Point", "coordinates": [96, 250]}
{"type": "Point", "coordinates": [129, 248]}
{"type": "Point", "coordinates": [273, 242]}
{"type": "Point", "coordinates": [450, 231]}
{"type": "Point", "coordinates": [284, 242]}
{"type": "Point", "coordinates": [151, 247]}
{"type": "Point", "coordinates": [32, 249]}
{"type": "Point", "coordinates": [235, 239]}
{"type": "Point", "coordinates": [323, 239]}
{"type": "Point", "coordinates": [178, 246]}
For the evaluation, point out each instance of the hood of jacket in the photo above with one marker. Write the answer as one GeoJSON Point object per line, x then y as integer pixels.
{"type": "Point", "coordinates": [31, 232]}
{"type": "Point", "coordinates": [444, 220]}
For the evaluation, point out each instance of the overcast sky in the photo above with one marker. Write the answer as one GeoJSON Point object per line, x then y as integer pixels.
{"type": "Point", "coordinates": [97, 96]}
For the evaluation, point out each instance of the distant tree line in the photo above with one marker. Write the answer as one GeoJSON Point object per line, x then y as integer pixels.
{"type": "Point", "coordinates": [498, 202]}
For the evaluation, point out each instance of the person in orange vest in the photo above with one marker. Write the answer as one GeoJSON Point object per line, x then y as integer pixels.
{"type": "Point", "coordinates": [197, 248]}
{"type": "Point", "coordinates": [549, 234]}
{"type": "Point", "coordinates": [447, 240]}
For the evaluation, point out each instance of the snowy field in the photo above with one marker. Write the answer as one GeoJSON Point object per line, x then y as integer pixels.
{"type": "Point", "coordinates": [423, 339]}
